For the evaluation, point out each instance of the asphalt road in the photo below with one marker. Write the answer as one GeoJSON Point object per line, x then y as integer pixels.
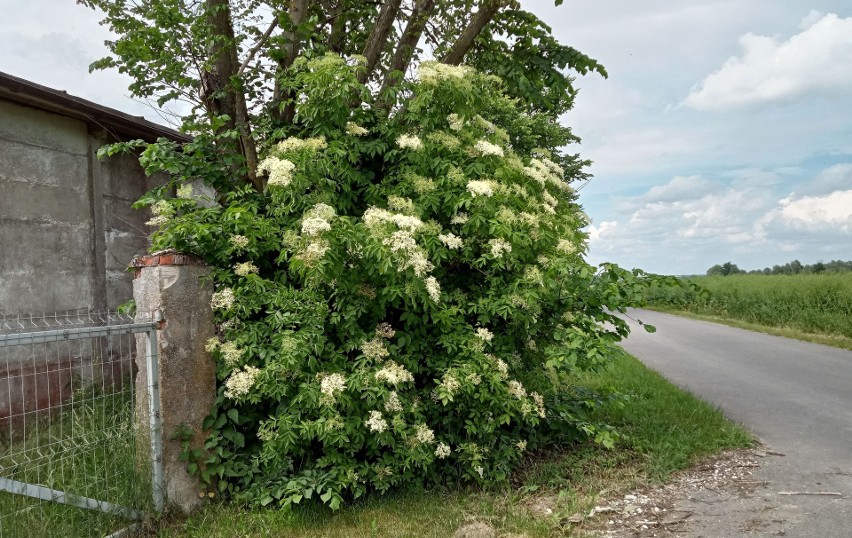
{"type": "Point", "coordinates": [795, 396]}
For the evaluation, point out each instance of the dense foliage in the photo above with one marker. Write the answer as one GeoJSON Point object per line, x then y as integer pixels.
{"type": "Point", "coordinates": [401, 293]}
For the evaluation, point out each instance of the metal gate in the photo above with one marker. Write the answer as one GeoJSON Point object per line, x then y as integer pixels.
{"type": "Point", "coordinates": [74, 461]}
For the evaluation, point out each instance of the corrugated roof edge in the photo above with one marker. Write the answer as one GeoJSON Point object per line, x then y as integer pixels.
{"type": "Point", "coordinates": [119, 124]}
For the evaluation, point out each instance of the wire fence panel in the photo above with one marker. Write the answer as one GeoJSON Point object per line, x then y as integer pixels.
{"type": "Point", "coordinates": [73, 460]}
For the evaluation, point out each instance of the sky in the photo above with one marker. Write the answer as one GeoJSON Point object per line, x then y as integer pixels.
{"type": "Point", "coordinates": [723, 132]}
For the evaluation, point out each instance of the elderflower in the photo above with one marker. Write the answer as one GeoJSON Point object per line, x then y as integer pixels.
{"type": "Point", "coordinates": [384, 330]}
{"type": "Point", "coordinates": [479, 470]}
{"type": "Point", "coordinates": [231, 354]}
{"type": "Point", "coordinates": [162, 208]}
{"type": "Point", "coordinates": [314, 251]}
{"type": "Point", "coordinates": [240, 382]}
{"type": "Point", "coordinates": [223, 299]}
{"type": "Point", "coordinates": [565, 246]}
{"type": "Point", "coordinates": [484, 334]}
{"type": "Point", "coordinates": [356, 130]}
{"type": "Point", "coordinates": [376, 423]}
{"type": "Point", "coordinates": [539, 404]}
{"type": "Point", "coordinates": [279, 171]}
{"type": "Point", "coordinates": [432, 72]}
{"type": "Point", "coordinates": [459, 218]}
{"type": "Point", "coordinates": [516, 389]}
{"type": "Point", "coordinates": [374, 349]}
{"type": "Point", "coordinates": [424, 434]}
{"type": "Point", "coordinates": [159, 220]}
{"type": "Point", "coordinates": [314, 226]}
{"type": "Point", "coordinates": [503, 368]}
{"type": "Point", "coordinates": [456, 123]}
{"type": "Point", "coordinates": [480, 188]}
{"type": "Point", "coordinates": [499, 247]}
{"type": "Point", "coordinates": [433, 288]}
{"type": "Point", "coordinates": [212, 344]}
{"type": "Point", "coordinates": [296, 144]}
{"type": "Point", "coordinates": [245, 269]}
{"type": "Point", "coordinates": [239, 241]}
{"type": "Point", "coordinates": [485, 148]}
{"type": "Point", "coordinates": [442, 450]}
{"type": "Point", "coordinates": [185, 192]}
{"type": "Point", "coordinates": [522, 445]}
{"type": "Point", "coordinates": [450, 383]}
{"type": "Point", "coordinates": [332, 384]}
{"type": "Point", "coordinates": [451, 240]}
{"type": "Point", "coordinates": [406, 141]}
{"type": "Point", "coordinates": [321, 211]}
{"type": "Point", "coordinates": [393, 405]}
{"type": "Point", "coordinates": [394, 374]}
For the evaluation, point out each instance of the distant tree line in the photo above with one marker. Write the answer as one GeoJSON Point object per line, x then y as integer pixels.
{"type": "Point", "coordinates": [794, 267]}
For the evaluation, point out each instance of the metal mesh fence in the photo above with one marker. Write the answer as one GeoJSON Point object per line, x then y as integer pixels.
{"type": "Point", "coordinates": [73, 460]}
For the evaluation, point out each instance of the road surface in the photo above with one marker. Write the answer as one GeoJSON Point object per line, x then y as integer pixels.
{"type": "Point", "coordinates": [795, 396]}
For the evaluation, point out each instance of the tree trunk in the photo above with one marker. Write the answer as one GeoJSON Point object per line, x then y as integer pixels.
{"type": "Point", "coordinates": [223, 93]}
{"type": "Point", "coordinates": [297, 12]}
{"type": "Point", "coordinates": [407, 44]}
{"type": "Point", "coordinates": [465, 41]}
{"type": "Point", "coordinates": [378, 37]}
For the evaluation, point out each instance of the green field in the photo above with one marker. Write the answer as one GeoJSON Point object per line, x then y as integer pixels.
{"type": "Point", "coordinates": [810, 303]}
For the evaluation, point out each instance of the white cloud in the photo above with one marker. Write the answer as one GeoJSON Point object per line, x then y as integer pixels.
{"type": "Point", "coordinates": [814, 61]}
{"type": "Point", "coordinates": [833, 211]}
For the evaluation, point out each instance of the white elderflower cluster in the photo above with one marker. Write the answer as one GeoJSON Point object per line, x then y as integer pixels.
{"type": "Point", "coordinates": [432, 72]}
{"type": "Point", "coordinates": [400, 204]}
{"type": "Point", "coordinates": [424, 435]}
{"type": "Point", "coordinates": [240, 382]}
{"type": "Point", "coordinates": [452, 241]}
{"type": "Point", "coordinates": [503, 368]}
{"type": "Point", "coordinates": [499, 247]}
{"type": "Point", "coordinates": [374, 349]}
{"type": "Point", "coordinates": [480, 188]}
{"type": "Point", "coordinates": [456, 123]}
{"type": "Point", "coordinates": [566, 246]}
{"type": "Point", "coordinates": [185, 192]}
{"type": "Point", "coordinates": [539, 404]}
{"type": "Point", "coordinates": [549, 199]}
{"type": "Point", "coordinates": [460, 218]}
{"type": "Point", "coordinates": [479, 471]}
{"type": "Point", "coordinates": [223, 299]}
{"type": "Point", "coordinates": [314, 226]}
{"type": "Point", "coordinates": [162, 208]}
{"type": "Point", "coordinates": [522, 445]}
{"type": "Point", "coordinates": [212, 344]}
{"type": "Point", "coordinates": [450, 383]}
{"type": "Point", "coordinates": [313, 252]}
{"type": "Point", "coordinates": [517, 390]}
{"type": "Point", "coordinates": [411, 255]}
{"type": "Point", "coordinates": [231, 354]}
{"type": "Point", "coordinates": [159, 220]}
{"type": "Point", "coordinates": [376, 423]}
{"type": "Point", "coordinates": [375, 216]}
{"type": "Point", "coordinates": [530, 219]}
{"type": "Point", "coordinates": [486, 148]}
{"type": "Point", "coordinates": [245, 269]}
{"type": "Point", "coordinates": [442, 450]}
{"type": "Point", "coordinates": [356, 130]}
{"type": "Point", "coordinates": [543, 170]}
{"type": "Point", "coordinates": [384, 330]}
{"type": "Point", "coordinates": [297, 144]}
{"type": "Point", "coordinates": [279, 171]}
{"type": "Point", "coordinates": [484, 334]}
{"type": "Point", "coordinates": [433, 288]}
{"type": "Point", "coordinates": [394, 374]}
{"type": "Point", "coordinates": [239, 241]}
{"type": "Point", "coordinates": [407, 141]}
{"type": "Point", "coordinates": [474, 379]}
{"type": "Point", "coordinates": [445, 139]}
{"type": "Point", "coordinates": [331, 384]}
{"type": "Point", "coordinates": [321, 211]}
{"type": "Point", "coordinates": [393, 405]}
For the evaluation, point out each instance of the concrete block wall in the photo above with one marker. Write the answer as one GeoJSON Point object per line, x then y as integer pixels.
{"type": "Point", "coordinates": [67, 231]}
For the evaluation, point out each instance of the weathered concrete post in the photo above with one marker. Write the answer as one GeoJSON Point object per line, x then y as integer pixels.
{"type": "Point", "coordinates": [172, 286]}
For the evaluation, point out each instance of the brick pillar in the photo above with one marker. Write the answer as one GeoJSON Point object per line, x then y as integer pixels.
{"type": "Point", "coordinates": [171, 286]}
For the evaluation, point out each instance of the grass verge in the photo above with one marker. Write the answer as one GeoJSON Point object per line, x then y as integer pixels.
{"type": "Point", "coordinates": [665, 429]}
{"type": "Point", "coordinates": [833, 340]}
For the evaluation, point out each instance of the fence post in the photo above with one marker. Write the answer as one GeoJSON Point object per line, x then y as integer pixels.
{"type": "Point", "coordinates": [171, 287]}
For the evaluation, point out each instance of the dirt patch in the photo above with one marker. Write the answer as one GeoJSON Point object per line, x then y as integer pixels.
{"type": "Point", "coordinates": [657, 512]}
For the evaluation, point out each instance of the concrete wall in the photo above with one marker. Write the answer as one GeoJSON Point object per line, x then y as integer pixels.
{"type": "Point", "coordinates": [67, 231]}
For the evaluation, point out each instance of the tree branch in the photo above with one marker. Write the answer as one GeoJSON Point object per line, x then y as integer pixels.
{"type": "Point", "coordinates": [297, 11]}
{"type": "Point", "coordinates": [407, 44]}
{"type": "Point", "coordinates": [480, 19]}
{"type": "Point", "coordinates": [378, 37]}
{"type": "Point", "coordinates": [253, 51]}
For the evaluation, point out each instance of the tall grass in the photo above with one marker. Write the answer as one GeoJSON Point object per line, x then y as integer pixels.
{"type": "Point", "coordinates": [89, 449]}
{"type": "Point", "coordinates": [811, 303]}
